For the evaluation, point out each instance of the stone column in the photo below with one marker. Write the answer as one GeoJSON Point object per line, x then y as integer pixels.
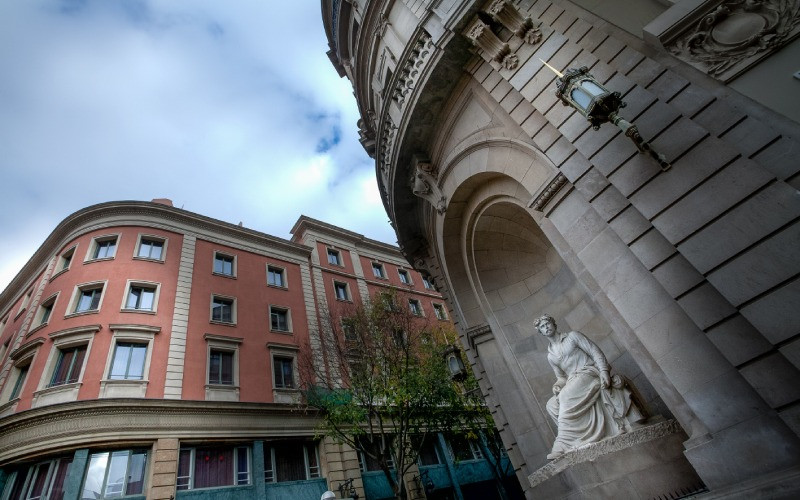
{"type": "Point", "coordinates": [341, 462]}
{"type": "Point", "coordinates": [75, 473]}
{"type": "Point", "coordinates": [165, 469]}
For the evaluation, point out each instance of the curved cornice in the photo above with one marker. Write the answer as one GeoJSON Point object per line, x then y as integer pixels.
{"type": "Point", "coordinates": [80, 424]}
{"type": "Point", "coordinates": [124, 213]}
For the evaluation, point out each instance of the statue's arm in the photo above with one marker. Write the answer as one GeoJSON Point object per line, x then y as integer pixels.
{"type": "Point", "coordinates": [597, 356]}
{"type": "Point", "coordinates": [561, 377]}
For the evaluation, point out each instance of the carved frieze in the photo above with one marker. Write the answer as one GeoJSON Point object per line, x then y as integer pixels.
{"type": "Point", "coordinates": [736, 34]}
{"type": "Point", "coordinates": [549, 192]}
{"type": "Point", "coordinates": [410, 71]}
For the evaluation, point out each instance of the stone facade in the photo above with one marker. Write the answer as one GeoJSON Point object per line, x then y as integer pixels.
{"type": "Point", "coordinates": [515, 206]}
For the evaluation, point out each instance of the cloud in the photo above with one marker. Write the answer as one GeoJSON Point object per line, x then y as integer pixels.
{"type": "Point", "coordinates": [231, 109]}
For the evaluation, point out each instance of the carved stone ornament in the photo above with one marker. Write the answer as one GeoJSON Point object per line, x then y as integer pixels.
{"type": "Point", "coordinates": [423, 184]}
{"type": "Point", "coordinates": [480, 34]}
{"type": "Point", "coordinates": [549, 192]}
{"type": "Point", "coordinates": [736, 34]}
{"type": "Point", "coordinates": [507, 14]}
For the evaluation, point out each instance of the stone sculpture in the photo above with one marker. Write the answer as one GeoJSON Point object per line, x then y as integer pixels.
{"type": "Point", "coordinates": [588, 404]}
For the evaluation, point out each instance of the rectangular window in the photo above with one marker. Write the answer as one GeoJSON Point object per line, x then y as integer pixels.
{"type": "Point", "coordinates": [224, 264]}
{"type": "Point", "coordinates": [415, 307]}
{"type": "Point", "coordinates": [341, 291]}
{"type": "Point", "coordinates": [275, 276]}
{"type": "Point", "coordinates": [23, 374]}
{"type": "Point", "coordinates": [334, 257]}
{"type": "Point", "coordinates": [128, 361]}
{"type": "Point", "coordinates": [88, 298]}
{"type": "Point", "coordinates": [45, 311]}
{"type": "Point", "coordinates": [150, 248]}
{"type": "Point", "coordinates": [105, 248]}
{"type": "Point", "coordinates": [66, 259]}
{"type": "Point", "coordinates": [115, 474]}
{"type": "Point", "coordinates": [68, 366]}
{"type": "Point", "coordinates": [427, 283]}
{"type": "Point", "coordinates": [291, 461]}
{"type": "Point", "coordinates": [141, 298]}
{"type": "Point", "coordinates": [43, 480]}
{"type": "Point", "coordinates": [404, 277]}
{"type": "Point", "coordinates": [279, 319]}
{"type": "Point", "coordinates": [429, 452]}
{"type": "Point", "coordinates": [283, 369]}
{"type": "Point", "coordinates": [213, 467]}
{"type": "Point", "coordinates": [462, 448]}
{"type": "Point", "coordinates": [367, 463]}
{"type": "Point", "coordinates": [349, 329]}
{"type": "Point", "coordinates": [378, 271]}
{"type": "Point", "coordinates": [220, 367]}
{"type": "Point", "coordinates": [222, 310]}
{"type": "Point", "coordinates": [440, 312]}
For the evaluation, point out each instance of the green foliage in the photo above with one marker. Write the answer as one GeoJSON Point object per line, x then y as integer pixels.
{"type": "Point", "coordinates": [383, 385]}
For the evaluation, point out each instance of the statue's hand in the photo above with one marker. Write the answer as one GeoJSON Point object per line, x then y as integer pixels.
{"type": "Point", "coordinates": [605, 380]}
{"type": "Point", "coordinates": [558, 386]}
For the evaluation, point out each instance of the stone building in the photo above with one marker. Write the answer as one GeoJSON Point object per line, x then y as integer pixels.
{"type": "Point", "coordinates": [684, 271]}
{"type": "Point", "coordinates": [148, 351]}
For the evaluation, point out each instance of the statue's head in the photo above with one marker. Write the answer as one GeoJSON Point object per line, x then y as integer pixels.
{"type": "Point", "coordinates": [545, 324]}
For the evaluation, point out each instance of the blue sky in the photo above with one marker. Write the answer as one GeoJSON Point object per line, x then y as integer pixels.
{"type": "Point", "coordinates": [229, 108]}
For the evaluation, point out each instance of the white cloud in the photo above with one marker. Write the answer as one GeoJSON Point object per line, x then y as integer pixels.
{"type": "Point", "coordinates": [220, 106]}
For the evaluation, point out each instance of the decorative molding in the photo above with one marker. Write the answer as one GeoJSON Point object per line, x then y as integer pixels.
{"type": "Point", "coordinates": [478, 335]}
{"type": "Point", "coordinates": [26, 349]}
{"type": "Point", "coordinates": [408, 75]}
{"type": "Point", "coordinates": [547, 194]}
{"type": "Point", "coordinates": [480, 34]}
{"type": "Point", "coordinates": [135, 328]}
{"type": "Point", "coordinates": [425, 185]}
{"type": "Point", "coordinates": [222, 338]}
{"type": "Point", "coordinates": [737, 34]}
{"type": "Point", "coordinates": [92, 329]}
{"type": "Point", "coordinates": [507, 14]}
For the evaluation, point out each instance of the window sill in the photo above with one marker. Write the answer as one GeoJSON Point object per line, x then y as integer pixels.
{"type": "Point", "coordinates": [285, 395]}
{"type": "Point", "coordinates": [57, 274]}
{"type": "Point", "coordinates": [101, 259]}
{"type": "Point", "coordinates": [278, 287]}
{"type": "Point", "coordinates": [140, 311]}
{"type": "Point", "coordinates": [36, 329]}
{"type": "Point", "coordinates": [19, 313]}
{"type": "Point", "coordinates": [9, 407]}
{"type": "Point", "coordinates": [81, 313]}
{"type": "Point", "coordinates": [216, 392]}
{"type": "Point", "coordinates": [344, 300]}
{"type": "Point", "coordinates": [229, 276]}
{"type": "Point", "coordinates": [123, 388]}
{"type": "Point", "coordinates": [148, 259]}
{"type": "Point", "coordinates": [282, 332]}
{"type": "Point", "coordinates": [221, 323]}
{"type": "Point", "coordinates": [57, 394]}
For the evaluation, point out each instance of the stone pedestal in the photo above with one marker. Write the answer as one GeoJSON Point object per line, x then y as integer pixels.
{"type": "Point", "coordinates": [647, 462]}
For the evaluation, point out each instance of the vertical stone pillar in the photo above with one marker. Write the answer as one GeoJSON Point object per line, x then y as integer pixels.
{"type": "Point", "coordinates": [75, 473]}
{"type": "Point", "coordinates": [342, 464]}
{"type": "Point", "coordinates": [451, 470]}
{"type": "Point", "coordinates": [165, 470]}
{"type": "Point", "coordinates": [257, 470]}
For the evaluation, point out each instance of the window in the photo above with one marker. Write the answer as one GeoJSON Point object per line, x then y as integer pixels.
{"type": "Point", "coordinates": [462, 448]}
{"type": "Point", "coordinates": [25, 301]}
{"type": "Point", "coordinates": [404, 276]}
{"type": "Point", "coordinates": [283, 369]}
{"type": "Point", "coordinates": [378, 271]}
{"type": "Point", "coordinates": [150, 248]}
{"type": "Point", "coordinates": [223, 309]}
{"type": "Point", "coordinates": [224, 265]}
{"type": "Point", "coordinates": [87, 298]}
{"type": "Point", "coordinates": [290, 461]}
{"type": "Point", "coordinates": [367, 463]}
{"type": "Point", "coordinates": [45, 311]}
{"type": "Point", "coordinates": [220, 367]}
{"type": "Point", "coordinates": [415, 307]}
{"type": "Point", "coordinates": [20, 382]}
{"type": "Point", "coordinates": [115, 474]}
{"type": "Point", "coordinates": [128, 362]}
{"type": "Point", "coordinates": [141, 298]}
{"type": "Point", "coordinates": [387, 300]}
{"type": "Point", "coordinates": [349, 329]}
{"type": "Point", "coordinates": [211, 467]}
{"type": "Point", "coordinates": [427, 283]}
{"type": "Point", "coordinates": [429, 452]}
{"type": "Point", "coordinates": [279, 319]}
{"type": "Point", "coordinates": [3, 324]}
{"type": "Point", "coordinates": [69, 365]}
{"type": "Point", "coordinates": [66, 259]}
{"type": "Point", "coordinates": [334, 257]}
{"type": "Point", "coordinates": [43, 480]}
{"type": "Point", "coordinates": [276, 276]}
{"type": "Point", "coordinates": [340, 289]}
{"type": "Point", "coordinates": [440, 312]}
{"type": "Point", "coordinates": [103, 247]}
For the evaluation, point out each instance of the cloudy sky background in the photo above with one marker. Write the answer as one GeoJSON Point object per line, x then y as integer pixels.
{"type": "Point", "coordinates": [229, 108]}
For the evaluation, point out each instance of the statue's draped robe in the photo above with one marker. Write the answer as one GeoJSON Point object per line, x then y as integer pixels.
{"type": "Point", "coordinates": [584, 412]}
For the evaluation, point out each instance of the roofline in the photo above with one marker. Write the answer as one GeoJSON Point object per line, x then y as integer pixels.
{"type": "Point", "coordinates": [305, 221]}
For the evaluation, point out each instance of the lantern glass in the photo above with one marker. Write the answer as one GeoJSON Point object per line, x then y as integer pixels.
{"type": "Point", "coordinates": [581, 98]}
{"type": "Point", "coordinates": [592, 87]}
{"type": "Point", "coordinates": [454, 364]}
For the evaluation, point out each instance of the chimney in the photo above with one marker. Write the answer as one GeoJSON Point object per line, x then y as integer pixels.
{"type": "Point", "coordinates": [162, 201]}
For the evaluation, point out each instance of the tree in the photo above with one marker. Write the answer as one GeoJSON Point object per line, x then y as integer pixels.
{"type": "Point", "coordinates": [384, 387]}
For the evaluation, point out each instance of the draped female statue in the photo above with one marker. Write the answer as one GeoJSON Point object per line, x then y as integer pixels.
{"type": "Point", "coordinates": [588, 405]}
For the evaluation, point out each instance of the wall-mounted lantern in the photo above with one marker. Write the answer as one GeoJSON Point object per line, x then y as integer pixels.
{"type": "Point", "coordinates": [579, 89]}
{"type": "Point", "coordinates": [452, 356]}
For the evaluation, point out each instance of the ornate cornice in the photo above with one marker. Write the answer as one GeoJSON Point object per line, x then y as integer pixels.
{"type": "Point", "coordinates": [549, 191]}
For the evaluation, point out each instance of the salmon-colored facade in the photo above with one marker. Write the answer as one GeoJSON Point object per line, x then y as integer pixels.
{"type": "Point", "coordinates": [140, 326]}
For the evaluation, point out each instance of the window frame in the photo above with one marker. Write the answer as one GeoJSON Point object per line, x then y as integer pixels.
{"type": "Point", "coordinates": [222, 392]}
{"type": "Point", "coordinates": [152, 285]}
{"type": "Point", "coordinates": [94, 247]}
{"type": "Point", "coordinates": [152, 237]}
{"type": "Point", "coordinates": [407, 280]}
{"type": "Point", "coordinates": [26, 300]}
{"type": "Point", "coordinates": [193, 456]}
{"type": "Point", "coordinates": [31, 470]}
{"type": "Point", "coordinates": [281, 271]}
{"type": "Point", "coordinates": [63, 339]}
{"type": "Point", "coordinates": [128, 387]}
{"type": "Point", "coordinates": [427, 283]}
{"type": "Point", "coordinates": [234, 264]}
{"type": "Point", "coordinates": [338, 257]}
{"type": "Point", "coordinates": [288, 351]}
{"type": "Point", "coordinates": [228, 298]}
{"type": "Point", "coordinates": [63, 265]}
{"type": "Point", "coordinates": [415, 306]}
{"type": "Point", "coordinates": [440, 311]}
{"type": "Point", "coordinates": [106, 471]}
{"type": "Point", "coordinates": [344, 286]}
{"type": "Point", "coordinates": [40, 320]}
{"type": "Point", "coordinates": [78, 292]}
{"type": "Point", "coordinates": [273, 308]}
{"type": "Point", "coordinates": [270, 473]}
{"type": "Point", "coordinates": [378, 270]}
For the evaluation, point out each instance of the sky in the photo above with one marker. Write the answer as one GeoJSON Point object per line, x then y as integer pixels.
{"type": "Point", "coordinates": [230, 108]}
